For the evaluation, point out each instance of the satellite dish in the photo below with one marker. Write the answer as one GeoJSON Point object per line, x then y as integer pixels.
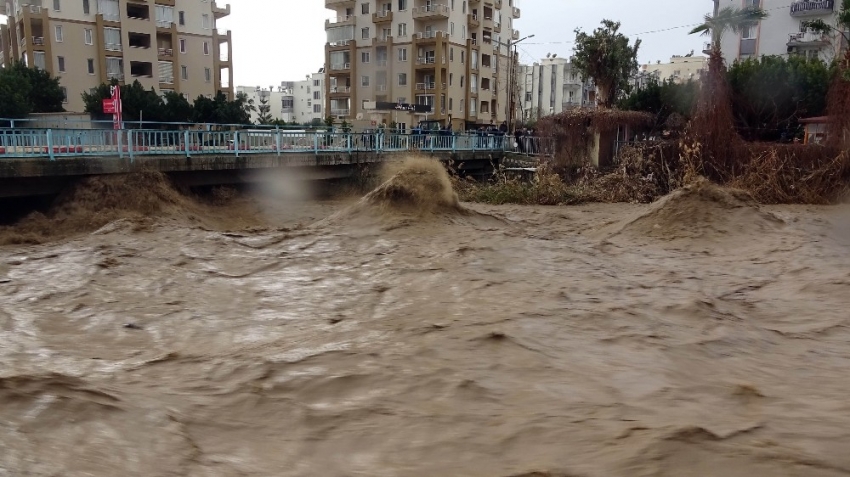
{"type": "Point", "coordinates": [548, 55]}
{"type": "Point", "coordinates": [554, 55]}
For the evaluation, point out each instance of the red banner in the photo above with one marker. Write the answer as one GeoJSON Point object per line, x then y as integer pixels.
{"type": "Point", "coordinates": [116, 104]}
{"type": "Point", "coordinates": [109, 106]}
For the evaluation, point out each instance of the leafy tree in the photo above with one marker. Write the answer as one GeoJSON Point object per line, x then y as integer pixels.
{"type": "Point", "coordinates": [770, 94]}
{"type": "Point", "coordinates": [176, 108]}
{"type": "Point", "coordinates": [221, 111]}
{"type": "Point", "coordinates": [26, 90]}
{"type": "Point", "coordinates": [606, 57]}
{"type": "Point", "coordinates": [663, 99]}
{"type": "Point", "coordinates": [840, 32]}
{"type": "Point", "coordinates": [45, 93]}
{"type": "Point", "coordinates": [727, 19]}
{"type": "Point", "coordinates": [264, 111]}
{"type": "Point", "coordinates": [136, 101]}
{"type": "Point", "coordinates": [14, 94]}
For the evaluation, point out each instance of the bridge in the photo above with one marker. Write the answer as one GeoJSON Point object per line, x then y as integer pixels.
{"type": "Point", "coordinates": [43, 161]}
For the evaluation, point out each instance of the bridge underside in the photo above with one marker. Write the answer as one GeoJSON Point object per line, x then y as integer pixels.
{"type": "Point", "coordinates": [41, 176]}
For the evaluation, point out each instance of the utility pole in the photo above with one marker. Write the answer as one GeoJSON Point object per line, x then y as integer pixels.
{"type": "Point", "coordinates": [512, 71]}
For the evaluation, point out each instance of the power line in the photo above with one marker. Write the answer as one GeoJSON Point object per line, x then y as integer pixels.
{"type": "Point", "coordinates": [650, 32]}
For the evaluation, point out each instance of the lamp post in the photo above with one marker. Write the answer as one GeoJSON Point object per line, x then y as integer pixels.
{"type": "Point", "coordinates": [512, 79]}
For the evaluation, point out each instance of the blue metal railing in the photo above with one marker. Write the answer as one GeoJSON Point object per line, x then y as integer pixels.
{"type": "Point", "coordinates": [132, 143]}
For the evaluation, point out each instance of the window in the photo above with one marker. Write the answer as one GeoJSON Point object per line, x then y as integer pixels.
{"type": "Point", "coordinates": [112, 39]}
{"type": "Point", "coordinates": [317, 95]}
{"type": "Point", "coordinates": [402, 54]}
{"type": "Point", "coordinates": [462, 56]}
{"type": "Point", "coordinates": [462, 32]}
{"type": "Point", "coordinates": [64, 94]}
{"type": "Point", "coordinates": [461, 105]}
{"type": "Point", "coordinates": [451, 104]}
{"type": "Point", "coordinates": [181, 18]}
{"type": "Point", "coordinates": [464, 7]}
{"type": "Point", "coordinates": [86, 7]}
{"type": "Point", "coordinates": [364, 80]}
{"type": "Point", "coordinates": [164, 16]}
{"type": "Point", "coordinates": [451, 78]}
{"type": "Point", "coordinates": [402, 5]}
{"type": "Point", "coordinates": [317, 108]}
{"type": "Point", "coordinates": [60, 36]}
{"type": "Point", "coordinates": [207, 48]}
{"type": "Point", "coordinates": [182, 45]}
{"type": "Point", "coordinates": [364, 33]}
{"type": "Point", "coordinates": [364, 8]}
{"type": "Point", "coordinates": [208, 75]}
{"type": "Point", "coordinates": [402, 30]}
{"type": "Point", "coordinates": [166, 72]}
{"type": "Point", "coordinates": [748, 32]}
{"type": "Point", "coordinates": [452, 28]}
{"type": "Point", "coordinates": [184, 72]}
{"type": "Point", "coordinates": [56, 5]}
{"type": "Point", "coordinates": [451, 54]}
{"type": "Point", "coordinates": [402, 79]}
{"type": "Point", "coordinates": [461, 80]}
{"type": "Point", "coordinates": [89, 36]}
{"type": "Point", "coordinates": [90, 63]}
{"type": "Point", "coordinates": [109, 9]}
{"type": "Point", "coordinates": [364, 57]}
{"type": "Point", "coordinates": [61, 61]}
{"type": "Point", "coordinates": [205, 21]}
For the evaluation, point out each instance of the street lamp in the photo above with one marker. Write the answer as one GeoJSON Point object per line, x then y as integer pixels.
{"type": "Point", "coordinates": [512, 79]}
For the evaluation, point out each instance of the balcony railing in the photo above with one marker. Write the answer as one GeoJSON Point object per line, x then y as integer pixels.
{"type": "Point", "coordinates": [113, 47]}
{"type": "Point", "coordinates": [380, 87]}
{"type": "Point", "coordinates": [428, 34]}
{"type": "Point", "coordinates": [165, 52]}
{"type": "Point", "coordinates": [807, 37]}
{"type": "Point", "coordinates": [431, 11]}
{"type": "Point", "coordinates": [802, 8]}
{"type": "Point", "coordinates": [340, 112]}
{"type": "Point", "coordinates": [38, 40]}
{"type": "Point", "coordinates": [338, 21]}
{"type": "Point", "coordinates": [426, 60]}
{"type": "Point", "coordinates": [515, 35]}
{"type": "Point", "coordinates": [166, 79]}
{"type": "Point", "coordinates": [117, 76]}
{"type": "Point", "coordinates": [381, 63]}
{"type": "Point", "coordinates": [340, 89]}
{"type": "Point", "coordinates": [341, 66]}
{"type": "Point", "coordinates": [425, 86]}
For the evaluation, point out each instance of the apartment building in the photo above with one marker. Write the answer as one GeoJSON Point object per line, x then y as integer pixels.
{"type": "Point", "coordinates": [299, 101]}
{"type": "Point", "coordinates": [451, 57]}
{"type": "Point", "coordinates": [551, 86]}
{"type": "Point", "coordinates": [680, 69]}
{"type": "Point", "coordinates": [169, 45]}
{"type": "Point", "coordinates": [782, 33]}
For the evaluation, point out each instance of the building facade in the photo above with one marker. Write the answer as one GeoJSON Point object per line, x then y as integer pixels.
{"type": "Point", "coordinates": [452, 56]}
{"type": "Point", "coordinates": [680, 69]}
{"type": "Point", "coordinates": [292, 101]}
{"type": "Point", "coordinates": [551, 86]}
{"type": "Point", "coordinates": [782, 32]}
{"type": "Point", "coordinates": [169, 45]}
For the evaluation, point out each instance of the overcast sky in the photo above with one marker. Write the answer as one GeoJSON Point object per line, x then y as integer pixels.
{"type": "Point", "coordinates": [283, 40]}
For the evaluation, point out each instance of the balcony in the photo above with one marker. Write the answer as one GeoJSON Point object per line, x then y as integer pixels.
{"type": "Point", "coordinates": [473, 20]}
{"type": "Point", "coordinates": [426, 60]}
{"type": "Point", "coordinates": [38, 41]}
{"type": "Point", "coordinates": [339, 21]}
{"type": "Point", "coordinates": [516, 12]}
{"type": "Point", "coordinates": [381, 63]}
{"type": "Point", "coordinates": [340, 112]}
{"type": "Point", "coordinates": [336, 4]}
{"type": "Point", "coordinates": [341, 67]}
{"type": "Point", "coordinates": [341, 90]}
{"type": "Point", "coordinates": [383, 41]}
{"type": "Point", "coordinates": [380, 87]}
{"type": "Point", "coordinates": [426, 86]}
{"type": "Point", "coordinates": [812, 8]}
{"type": "Point", "coordinates": [497, 4]}
{"type": "Point", "coordinates": [384, 16]}
{"type": "Point", "coordinates": [430, 36]}
{"type": "Point", "coordinates": [220, 12]}
{"type": "Point", "coordinates": [165, 52]}
{"type": "Point", "coordinates": [431, 12]}
{"type": "Point", "coordinates": [804, 39]}
{"type": "Point", "coordinates": [515, 35]}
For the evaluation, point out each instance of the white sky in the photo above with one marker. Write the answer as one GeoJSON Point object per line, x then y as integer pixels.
{"type": "Point", "coordinates": [283, 40]}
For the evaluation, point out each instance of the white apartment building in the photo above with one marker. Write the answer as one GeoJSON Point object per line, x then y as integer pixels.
{"type": "Point", "coordinates": [309, 98]}
{"type": "Point", "coordinates": [782, 32]}
{"type": "Point", "coordinates": [449, 56]}
{"type": "Point", "coordinates": [169, 45]}
{"type": "Point", "coordinates": [680, 69]}
{"type": "Point", "coordinates": [300, 101]}
{"type": "Point", "coordinates": [551, 86]}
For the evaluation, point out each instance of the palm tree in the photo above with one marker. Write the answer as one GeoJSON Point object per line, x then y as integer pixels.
{"type": "Point", "coordinates": [728, 19]}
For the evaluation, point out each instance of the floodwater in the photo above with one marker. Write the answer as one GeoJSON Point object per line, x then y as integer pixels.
{"type": "Point", "coordinates": [408, 335]}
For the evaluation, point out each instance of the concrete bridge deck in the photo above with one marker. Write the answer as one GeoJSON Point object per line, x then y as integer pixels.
{"type": "Point", "coordinates": [39, 162]}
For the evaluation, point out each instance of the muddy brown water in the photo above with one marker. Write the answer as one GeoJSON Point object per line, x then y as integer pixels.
{"type": "Point", "coordinates": [366, 339]}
